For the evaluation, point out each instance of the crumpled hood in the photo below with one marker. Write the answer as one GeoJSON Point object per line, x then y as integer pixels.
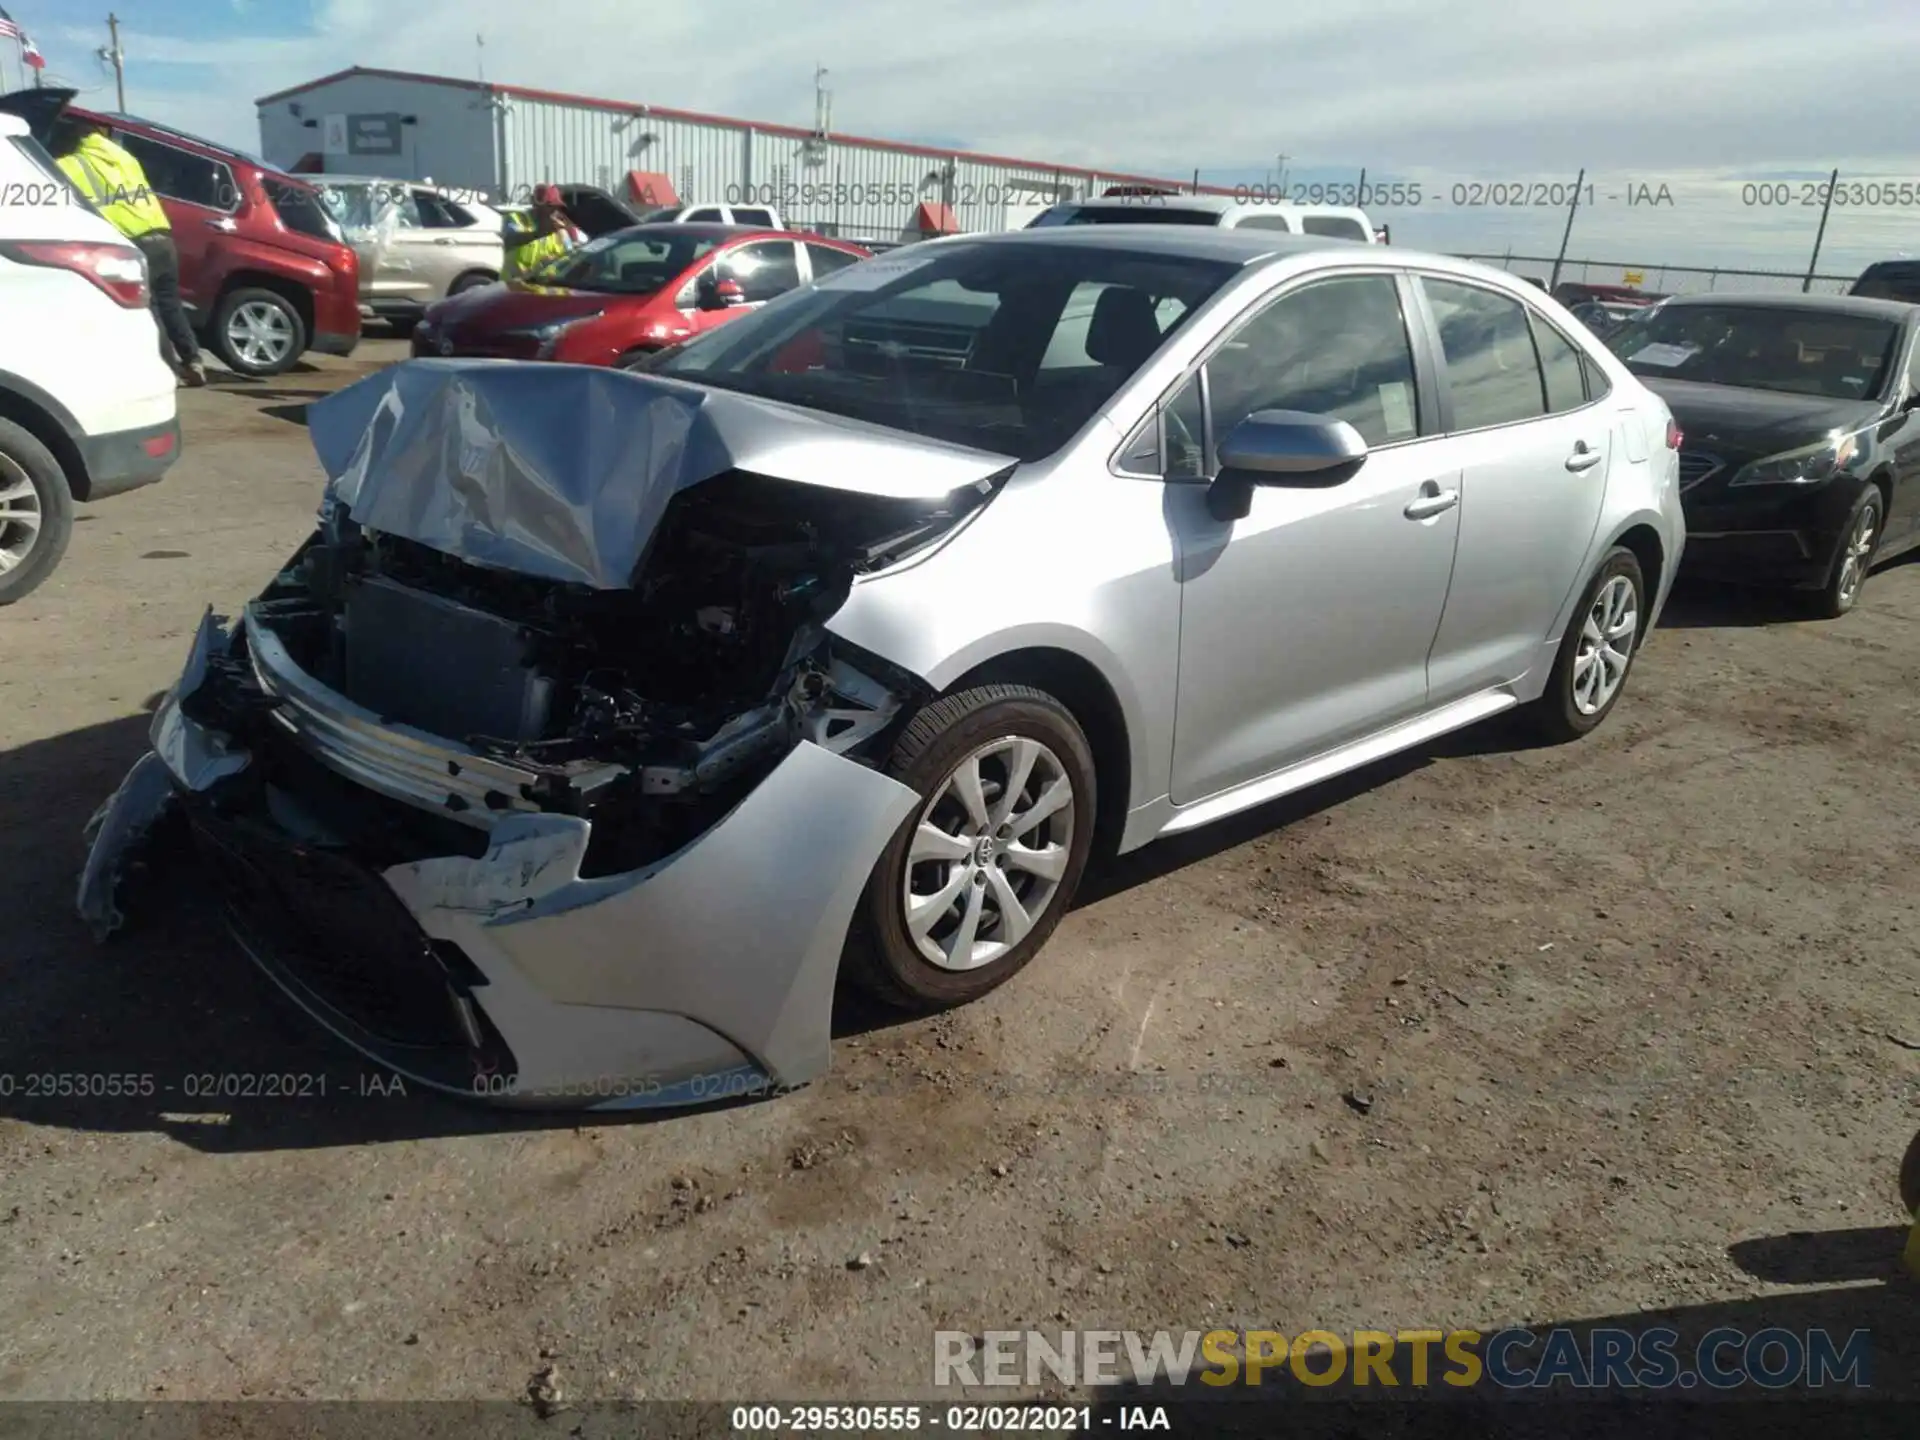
{"type": "Point", "coordinates": [564, 471]}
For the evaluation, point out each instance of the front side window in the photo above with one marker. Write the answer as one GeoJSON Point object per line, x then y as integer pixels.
{"type": "Point", "coordinates": [1889, 282]}
{"type": "Point", "coordinates": [1337, 348]}
{"type": "Point", "coordinates": [952, 341]}
{"type": "Point", "coordinates": [1265, 222]}
{"type": "Point", "coordinates": [630, 262]}
{"type": "Point", "coordinates": [436, 212]}
{"type": "Point", "coordinates": [762, 270]}
{"type": "Point", "coordinates": [1781, 348]}
{"type": "Point", "coordinates": [1492, 370]}
{"type": "Point", "coordinates": [762, 218]}
{"type": "Point", "coordinates": [707, 215]}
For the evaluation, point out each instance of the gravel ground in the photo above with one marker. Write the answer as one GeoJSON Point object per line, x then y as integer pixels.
{"type": "Point", "coordinates": [1483, 1034]}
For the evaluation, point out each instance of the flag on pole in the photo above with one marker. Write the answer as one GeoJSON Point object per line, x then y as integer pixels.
{"type": "Point", "coordinates": [29, 52]}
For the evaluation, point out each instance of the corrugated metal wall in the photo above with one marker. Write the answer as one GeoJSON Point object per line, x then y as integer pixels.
{"type": "Point", "coordinates": [839, 187]}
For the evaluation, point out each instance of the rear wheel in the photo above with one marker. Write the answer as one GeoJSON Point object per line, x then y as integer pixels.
{"type": "Point", "coordinates": [1597, 651]}
{"type": "Point", "coordinates": [470, 281]}
{"type": "Point", "coordinates": [1851, 562]}
{"type": "Point", "coordinates": [258, 332]}
{"type": "Point", "coordinates": [1910, 1179]}
{"type": "Point", "coordinates": [36, 512]}
{"type": "Point", "coordinates": [976, 880]}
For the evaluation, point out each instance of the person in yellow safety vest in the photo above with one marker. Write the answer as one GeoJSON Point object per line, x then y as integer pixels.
{"type": "Point", "coordinates": [113, 180]}
{"type": "Point", "coordinates": [549, 240]}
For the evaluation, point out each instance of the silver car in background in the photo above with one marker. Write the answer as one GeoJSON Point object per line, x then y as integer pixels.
{"type": "Point", "coordinates": [607, 717]}
{"type": "Point", "coordinates": [416, 243]}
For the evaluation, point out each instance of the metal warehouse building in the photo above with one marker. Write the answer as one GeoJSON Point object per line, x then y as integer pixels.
{"type": "Point", "coordinates": [503, 139]}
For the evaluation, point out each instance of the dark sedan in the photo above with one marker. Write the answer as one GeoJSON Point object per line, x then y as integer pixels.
{"type": "Point", "coordinates": [1800, 464]}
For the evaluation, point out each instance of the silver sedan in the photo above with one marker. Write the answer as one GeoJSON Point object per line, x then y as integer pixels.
{"type": "Point", "coordinates": [607, 718]}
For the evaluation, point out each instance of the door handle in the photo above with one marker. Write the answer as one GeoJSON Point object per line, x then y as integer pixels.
{"type": "Point", "coordinates": [1430, 502]}
{"type": "Point", "coordinates": [1582, 458]}
{"type": "Point", "coordinates": [444, 241]}
{"type": "Point", "coordinates": [222, 224]}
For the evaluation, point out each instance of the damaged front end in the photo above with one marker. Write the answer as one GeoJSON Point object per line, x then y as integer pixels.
{"type": "Point", "coordinates": [533, 801]}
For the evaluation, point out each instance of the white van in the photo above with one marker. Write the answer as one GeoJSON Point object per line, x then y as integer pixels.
{"type": "Point", "coordinates": [1342, 222]}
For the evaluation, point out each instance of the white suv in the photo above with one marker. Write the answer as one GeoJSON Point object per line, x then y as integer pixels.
{"type": "Point", "coordinates": [87, 404]}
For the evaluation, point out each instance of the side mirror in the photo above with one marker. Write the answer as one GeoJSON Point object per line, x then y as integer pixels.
{"type": "Point", "coordinates": [1282, 447]}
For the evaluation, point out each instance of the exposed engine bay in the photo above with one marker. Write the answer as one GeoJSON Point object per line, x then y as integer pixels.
{"type": "Point", "coordinates": [650, 711]}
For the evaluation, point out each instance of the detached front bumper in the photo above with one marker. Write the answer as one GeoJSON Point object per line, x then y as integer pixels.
{"type": "Point", "coordinates": [505, 975]}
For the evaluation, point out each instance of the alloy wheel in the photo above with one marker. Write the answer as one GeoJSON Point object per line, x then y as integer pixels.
{"type": "Point", "coordinates": [260, 333]}
{"type": "Point", "coordinates": [1853, 560]}
{"type": "Point", "coordinates": [1606, 645]}
{"type": "Point", "coordinates": [988, 853]}
{"type": "Point", "coordinates": [20, 515]}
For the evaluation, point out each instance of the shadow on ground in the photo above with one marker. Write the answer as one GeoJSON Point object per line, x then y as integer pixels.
{"type": "Point", "coordinates": [1878, 1397]}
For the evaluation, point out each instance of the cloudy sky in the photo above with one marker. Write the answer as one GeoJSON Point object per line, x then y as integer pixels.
{"type": "Point", "coordinates": [1702, 96]}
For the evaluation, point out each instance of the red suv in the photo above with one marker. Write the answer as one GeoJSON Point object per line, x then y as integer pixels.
{"type": "Point", "coordinates": [264, 271]}
{"type": "Point", "coordinates": [627, 294]}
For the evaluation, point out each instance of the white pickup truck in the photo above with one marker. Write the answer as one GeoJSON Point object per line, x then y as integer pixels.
{"type": "Point", "coordinates": [763, 217]}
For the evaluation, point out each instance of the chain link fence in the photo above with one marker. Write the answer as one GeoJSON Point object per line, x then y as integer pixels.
{"type": "Point", "coordinates": [1665, 279]}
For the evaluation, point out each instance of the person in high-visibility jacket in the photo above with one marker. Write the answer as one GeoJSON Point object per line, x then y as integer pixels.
{"type": "Point", "coordinates": [113, 180]}
{"type": "Point", "coordinates": [549, 239]}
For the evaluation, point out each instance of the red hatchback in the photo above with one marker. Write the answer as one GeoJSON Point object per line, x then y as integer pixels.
{"type": "Point", "coordinates": [626, 294]}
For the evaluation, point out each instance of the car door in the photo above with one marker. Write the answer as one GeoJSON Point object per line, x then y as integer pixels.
{"type": "Point", "coordinates": [1307, 623]}
{"type": "Point", "coordinates": [202, 202]}
{"type": "Point", "coordinates": [1901, 437]}
{"type": "Point", "coordinates": [1534, 454]}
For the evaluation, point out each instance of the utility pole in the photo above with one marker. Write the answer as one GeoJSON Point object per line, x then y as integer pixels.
{"type": "Point", "coordinates": [1813, 264]}
{"type": "Point", "coordinates": [480, 58]}
{"type": "Point", "coordinates": [1579, 184]}
{"type": "Point", "coordinates": [117, 57]}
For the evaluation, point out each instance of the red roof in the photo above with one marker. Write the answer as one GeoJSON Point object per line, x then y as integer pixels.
{"type": "Point", "coordinates": [650, 187]}
{"type": "Point", "coordinates": [935, 217]}
{"type": "Point", "coordinates": [792, 132]}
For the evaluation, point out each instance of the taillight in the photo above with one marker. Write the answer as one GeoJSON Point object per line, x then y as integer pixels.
{"type": "Point", "coordinates": [1674, 435]}
{"type": "Point", "coordinates": [119, 270]}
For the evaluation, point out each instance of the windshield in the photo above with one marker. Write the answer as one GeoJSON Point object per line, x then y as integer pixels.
{"type": "Point", "coordinates": [627, 262]}
{"type": "Point", "coordinates": [1795, 352]}
{"type": "Point", "coordinates": [1009, 348]}
{"type": "Point", "coordinates": [1889, 283]}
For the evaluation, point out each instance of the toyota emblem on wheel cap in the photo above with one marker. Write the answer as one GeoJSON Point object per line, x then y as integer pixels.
{"type": "Point", "coordinates": [446, 345]}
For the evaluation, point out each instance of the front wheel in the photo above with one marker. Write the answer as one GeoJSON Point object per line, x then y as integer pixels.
{"type": "Point", "coordinates": [1597, 651]}
{"type": "Point", "coordinates": [975, 881]}
{"type": "Point", "coordinates": [1852, 561]}
{"type": "Point", "coordinates": [258, 332]}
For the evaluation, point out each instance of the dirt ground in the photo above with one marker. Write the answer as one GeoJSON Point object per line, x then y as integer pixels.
{"type": "Point", "coordinates": [1486, 1034]}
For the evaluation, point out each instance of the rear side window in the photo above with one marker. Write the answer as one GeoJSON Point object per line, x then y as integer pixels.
{"type": "Point", "coordinates": [180, 175]}
{"type": "Point", "coordinates": [1264, 222]}
{"type": "Point", "coordinates": [826, 260]}
{"type": "Point", "coordinates": [1560, 366]}
{"type": "Point", "coordinates": [299, 208]}
{"type": "Point", "coordinates": [1338, 227]}
{"type": "Point", "coordinates": [436, 212]}
{"type": "Point", "coordinates": [705, 215]}
{"type": "Point", "coordinates": [1491, 368]}
{"type": "Point", "coordinates": [763, 218]}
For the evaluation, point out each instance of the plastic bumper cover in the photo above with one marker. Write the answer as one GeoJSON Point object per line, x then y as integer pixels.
{"type": "Point", "coordinates": [707, 974]}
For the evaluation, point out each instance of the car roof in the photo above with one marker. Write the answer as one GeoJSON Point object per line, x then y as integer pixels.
{"type": "Point", "coordinates": [1896, 310]}
{"type": "Point", "coordinates": [1200, 242]}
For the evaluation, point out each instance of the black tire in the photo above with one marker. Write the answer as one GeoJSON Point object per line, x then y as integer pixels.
{"type": "Point", "coordinates": [473, 280]}
{"type": "Point", "coordinates": [882, 958]}
{"type": "Point", "coordinates": [1910, 1179]}
{"type": "Point", "coordinates": [24, 457]}
{"type": "Point", "coordinates": [227, 351]}
{"type": "Point", "coordinates": [1557, 715]}
{"type": "Point", "coordinates": [1834, 599]}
